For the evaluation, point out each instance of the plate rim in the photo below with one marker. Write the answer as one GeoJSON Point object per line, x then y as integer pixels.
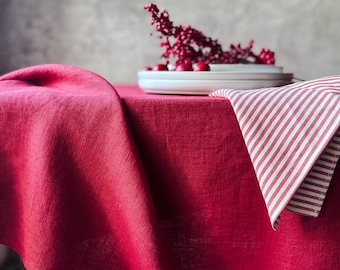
{"type": "Point", "coordinates": [204, 75]}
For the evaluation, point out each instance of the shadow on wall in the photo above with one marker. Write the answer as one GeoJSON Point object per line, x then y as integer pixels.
{"type": "Point", "coordinates": [4, 40]}
{"type": "Point", "coordinates": [28, 33]}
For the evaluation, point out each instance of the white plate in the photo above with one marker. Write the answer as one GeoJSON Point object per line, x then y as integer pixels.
{"type": "Point", "coordinates": [202, 87]}
{"type": "Point", "coordinates": [246, 68]}
{"type": "Point", "coordinates": [210, 75]}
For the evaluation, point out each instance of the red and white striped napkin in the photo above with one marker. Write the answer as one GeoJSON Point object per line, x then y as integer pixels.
{"type": "Point", "coordinates": [292, 134]}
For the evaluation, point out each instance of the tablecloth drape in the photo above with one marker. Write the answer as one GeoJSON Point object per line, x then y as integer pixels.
{"type": "Point", "coordinates": [93, 180]}
{"type": "Point", "coordinates": [73, 194]}
{"type": "Point", "coordinates": [209, 206]}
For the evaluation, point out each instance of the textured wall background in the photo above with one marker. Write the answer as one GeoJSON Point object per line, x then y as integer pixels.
{"type": "Point", "coordinates": [111, 37]}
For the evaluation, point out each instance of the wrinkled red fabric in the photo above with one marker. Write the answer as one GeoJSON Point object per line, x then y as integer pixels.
{"type": "Point", "coordinates": [73, 192]}
{"type": "Point", "coordinates": [210, 209]}
{"type": "Point", "coordinates": [95, 180]}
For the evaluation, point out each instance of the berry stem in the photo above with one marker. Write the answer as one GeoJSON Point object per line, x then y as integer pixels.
{"type": "Point", "coordinates": [189, 45]}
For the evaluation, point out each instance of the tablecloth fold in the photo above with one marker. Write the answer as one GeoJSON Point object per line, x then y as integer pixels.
{"type": "Point", "coordinates": [293, 138]}
{"type": "Point", "coordinates": [73, 191]}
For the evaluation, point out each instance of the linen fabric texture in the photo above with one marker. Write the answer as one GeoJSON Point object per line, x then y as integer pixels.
{"type": "Point", "coordinates": [293, 138]}
{"type": "Point", "coordinates": [95, 180]}
{"type": "Point", "coordinates": [73, 193]}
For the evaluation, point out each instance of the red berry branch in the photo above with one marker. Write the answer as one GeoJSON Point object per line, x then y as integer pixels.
{"type": "Point", "coordinates": [189, 46]}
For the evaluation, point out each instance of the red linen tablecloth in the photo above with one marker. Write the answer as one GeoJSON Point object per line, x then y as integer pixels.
{"type": "Point", "coordinates": [95, 180]}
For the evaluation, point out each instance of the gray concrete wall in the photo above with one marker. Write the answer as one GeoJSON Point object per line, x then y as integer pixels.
{"type": "Point", "coordinates": [111, 37]}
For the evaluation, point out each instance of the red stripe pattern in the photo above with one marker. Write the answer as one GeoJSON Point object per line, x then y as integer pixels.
{"type": "Point", "coordinates": [293, 138]}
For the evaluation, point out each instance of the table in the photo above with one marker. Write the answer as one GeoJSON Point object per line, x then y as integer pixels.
{"type": "Point", "coordinates": [138, 181]}
{"type": "Point", "coordinates": [209, 207]}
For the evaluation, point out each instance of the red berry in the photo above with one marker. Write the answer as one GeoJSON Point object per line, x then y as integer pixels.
{"type": "Point", "coordinates": [201, 66]}
{"type": "Point", "coordinates": [147, 68]}
{"type": "Point", "coordinates": [160, 67]}
{"type": "Point", "coordinates": [183, 67]}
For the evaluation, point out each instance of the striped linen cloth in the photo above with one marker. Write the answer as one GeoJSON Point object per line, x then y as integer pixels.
{"type": "Point", "coordinates": [293, 138]}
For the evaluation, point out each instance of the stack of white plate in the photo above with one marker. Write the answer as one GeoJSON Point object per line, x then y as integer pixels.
{"type": "Point", "coordinates": [233, 76]}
